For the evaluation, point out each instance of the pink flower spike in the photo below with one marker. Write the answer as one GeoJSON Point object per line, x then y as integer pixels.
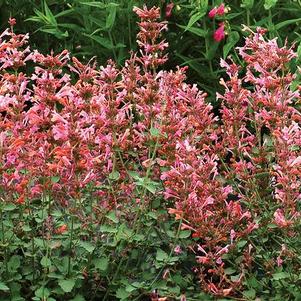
{"type": "Point", "coordinates": [212, 13]}
{"type": "Point", "coordinates": [219, 34]}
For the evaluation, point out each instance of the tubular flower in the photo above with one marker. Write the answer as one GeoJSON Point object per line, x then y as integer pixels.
{"type": "Point", "coordinates": [219, 34]}
{"type": "Point", "coordinates": [217, 11]}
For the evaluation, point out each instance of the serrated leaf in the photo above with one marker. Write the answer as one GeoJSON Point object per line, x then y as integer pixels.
{"type": "Point", "coordinates": [87, 246]}
{"type": "Point", "coordinates": [251, 293]}
{"type": "Point", "coordinates": [45, 262]}
{"type": "Point", "coordinates": [280, 275]}
{"type": "Point", "coordinates": [14, 263]}
{"type": "Point", "coordinates": [122, 294]}
{"type": "Point", "coordinates": [161, 255]}
{"type": "Point", "coordinates": [101, 263]}
{"type": "Point", "coordinates": [66, 285]}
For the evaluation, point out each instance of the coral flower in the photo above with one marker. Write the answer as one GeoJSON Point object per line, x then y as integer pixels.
{"type": "Point", "coordinates": [219, 34]}
{"type": "Point", "coordinates": [62, 229]}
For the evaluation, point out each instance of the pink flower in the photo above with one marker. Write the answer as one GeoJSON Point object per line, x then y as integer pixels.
{"type": "Point", "coordinates": [279, 261]}
{"type": "Point", "coordinates": [212, 12]}
{"type": "Point", "coordinates": [217, 11]}
{"type": "Point", "coordinates": [168, 9]}
{"type": "Point", "coordinates": [220, 11]}
{"type": "Point", "coordinates": [279, 219]}
{"type": "Point", "coordinates": [219, 34]}
{"type": "Point", "coordinates": [177, 250]}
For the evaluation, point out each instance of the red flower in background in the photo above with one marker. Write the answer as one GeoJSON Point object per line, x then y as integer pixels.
{"type": "Point", "coordinates": [219, 34]}
{"type": "Point", "coordinates": [168, 9]}
{"type": "Point", "coordinates": [217, 11]}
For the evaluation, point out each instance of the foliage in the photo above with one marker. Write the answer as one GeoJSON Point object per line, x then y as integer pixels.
{"type": "Point", "coordinates": [122, 183]}
{"type": "Point", "coordinates": [106, 29]}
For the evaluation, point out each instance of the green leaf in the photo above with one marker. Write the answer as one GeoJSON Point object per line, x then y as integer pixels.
{"type": "Point", "coordinates": [101, 263]}
{"type": "Point", "coordinates": [55, 179]}
{"type": "Point", "coordinates": [122, 294]}
{"type": "Point", "coordinates": [14, 263]}
{"type": "Point", "coordinates": [114, 175]}
{"type": "Point", "coordinates": [66, 285]}
{"type": "Point", "coordinates": [161, 255]}
{"type": "Point", "coordinates": [185, 234]}
{"type": "Point", "coordinates": [45, 262]}
{"type": "Point", "coordinates": [251, 293]}
{"type": "Point", "coordinates": [3, 287]}
{"type": "Point", "coordinates": [135, 175]}
{"type": "Point", "coordinates": [87, 246]}
{"type": "Point", "coordinates": [231, 42]}
{"type": "Point", "coordinates": [203, 5]}
{"type": "Point", "coordinates": [194, 18]}
{"type": "Point", "coordinates": [241, 244]}
{"type": "Point", "coordinates": [111, 15]}
{"type": "Point", "coordinates": [151, 186]}
{"type": "Point", "coordinates": [95, 4]}
{"type": "Point", "coordinates": [248, 4]}
{"type": "Point", "coordinates": [112, 216]}
{"type": "Point", "coordinates": [154, 132]}
{"type": "Point", "coordinates": [268, 4]}
{"type": "Point", "coordinates": [280, 275]}
{"type": "Point", "coordinates": [42, 293]}
{"type": "Point", "coordinates": [78, 298]}
{"type": "Point", "coordinates": [49, 15]}
{"type": "Point", "coordinates": [197, 31]}
{"type": "Point", "coordinates": [285, 23]}
{"type": "Point", "coordinates": [108, 229]}
{"type": "Point", "coordinates": [229, 271]}
{"type": "Point", "coordinates": [9, 207]}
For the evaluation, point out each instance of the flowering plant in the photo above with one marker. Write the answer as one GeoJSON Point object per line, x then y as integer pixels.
{"type": "Point", "coordinates": [92, 158]}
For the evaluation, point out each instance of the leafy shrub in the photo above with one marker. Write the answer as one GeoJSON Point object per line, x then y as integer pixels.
{"type": "Point", "coordinates": [93, 159]}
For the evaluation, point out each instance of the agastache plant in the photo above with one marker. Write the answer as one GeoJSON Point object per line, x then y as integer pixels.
{"type": "Point", "coordinates": [73, 132]}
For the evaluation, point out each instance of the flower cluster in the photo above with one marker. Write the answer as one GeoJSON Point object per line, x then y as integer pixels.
{"type": "Point", "coordinates": [218, 11]}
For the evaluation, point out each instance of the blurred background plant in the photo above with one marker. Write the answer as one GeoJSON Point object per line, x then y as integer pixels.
{"type": "Point", "coordinates": [107, 29]}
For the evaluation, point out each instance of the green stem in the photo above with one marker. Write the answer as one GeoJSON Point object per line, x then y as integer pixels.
{"type": "Point", "coordinates": [70, 245]}
{"type": "Point", "coordinates": [3, 244]}
{"type": "Point", "coordinates": [114, 277]}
